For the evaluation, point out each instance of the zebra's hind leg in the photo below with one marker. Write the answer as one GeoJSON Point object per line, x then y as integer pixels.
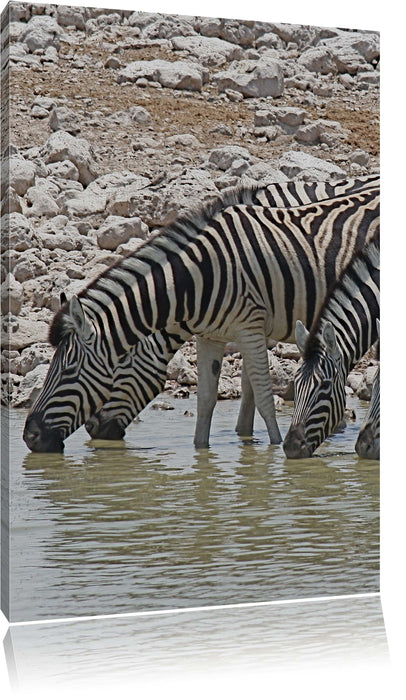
{"type": "Point", "coordinates": [255, 356]}
{"type": "Point", "coordinates": [245, 422]}
{"type": "Point", "coordinates": [209, 358]}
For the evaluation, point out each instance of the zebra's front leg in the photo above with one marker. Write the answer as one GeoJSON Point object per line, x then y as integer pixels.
{"type": "Point", "coordinates": [255, 356]}
{"type": "Point", "coordinates": [245, 422]}
{"type": "Point", "coordinates": [209, 359]}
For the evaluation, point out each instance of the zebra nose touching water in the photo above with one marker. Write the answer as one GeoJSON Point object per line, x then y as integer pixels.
{"type": "Point", "coordinates": [238, 270]}
{"type": "Point", "coordinates": [344, 330]}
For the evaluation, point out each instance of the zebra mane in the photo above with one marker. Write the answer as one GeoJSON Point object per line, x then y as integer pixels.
{"type": "Point", "coordinates": [345, 287]}
{"type": "Point", "coordinates": [61, 325]}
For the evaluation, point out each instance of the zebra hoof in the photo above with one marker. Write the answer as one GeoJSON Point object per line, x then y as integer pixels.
{"type": "Point", "coordinates": [104, 430]}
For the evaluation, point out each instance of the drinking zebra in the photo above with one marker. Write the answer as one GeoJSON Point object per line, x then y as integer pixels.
{"type": "Point", "coordinates": [233, 271]}
{"type": "Point", "coordinates": [142, 374]}
{"type": "Point", "coordinates": [342, 333]}
{"type": "Point", "coordinates": [368, 442]}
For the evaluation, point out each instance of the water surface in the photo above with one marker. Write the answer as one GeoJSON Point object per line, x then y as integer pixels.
{"type": "Point", "coordinates": [151, 523]}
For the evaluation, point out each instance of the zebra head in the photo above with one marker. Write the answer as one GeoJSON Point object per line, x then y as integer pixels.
{"type": "Point", "coordinates": [78, 382]}
{"type": "Point", "coordinates": [369, 438]}
{"type": "Point", "coordinates": [319, 392]}
{"type": "Point", "coordinates": [368, 442]}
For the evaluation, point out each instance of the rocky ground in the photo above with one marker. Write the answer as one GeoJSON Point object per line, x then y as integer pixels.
{"type": "Point", "coordinates": [119, 121]}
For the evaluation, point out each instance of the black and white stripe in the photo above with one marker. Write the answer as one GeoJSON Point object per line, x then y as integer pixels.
{"type": "Point", "coordinates": [344, 330]}
{"type": "Point", "coordinates": [233, 271]}
{"type": "Point", "coordinates": [369, 438]}
{"type": "Point", "coordinates": [142, 374]}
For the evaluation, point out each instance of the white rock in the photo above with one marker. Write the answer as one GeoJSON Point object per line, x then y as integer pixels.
{"type": "Point", "coordinates": [140, 114]}
{"type": "Point", "coordinates": [296, 164]}
{"type": "Point", "coordinates": [31, 386]}
{"type": "Point", "coordinates": [263, 78]}
{"type": "Point", "coordinates": [11, 202]}
{"type": "Point", "coordinates": [123, 200]}
{"type": "Point", "coordinates": [40, 203]}
{"type": "Point", "coordinates": [29, 332]}
{"type": "Point", "coordinates": [36, 354]}
{"type": "Point", "coordinates": [317, 59]}
{"type": "Point", "coordinates": [366, 44]}
{"type": "Point", "coordinates": [185, 140]}
{"type": "Point", "coordinates": [64, 119]}
{"type": "Point", "coordinates": [360, 157]}
{"type": "Point", "coordinates": [29, 265]}
{"type": "Point", "coordinates": [21, 174]}
{"type": "Point", "coordinates": [11, 296]}
{"type": "Point", "coordinates": [209, 50]}
{"type": "Point", "coordinates": [182, 75]}
{"type": "Point", "coordinates": [83, 203]}
{"type": "Point", "coordinates": [63, 146]}
{"type": "Point", "coordinates": [265, 173]}
{"type": "Point", "coordinates": [41, 31]}
{"type": "Point", "coordinates": [364, 388]}
{"type": "Point", "coordinates": [117, 230]}
{"type": "Point", "coordinates": [71, 17]}
{"type": "Point", "coordinates": [224, 157]}
{"type": "Point", "coordinates": [64, 169]}
{"type": "Point", "coordinates": [18, 232]}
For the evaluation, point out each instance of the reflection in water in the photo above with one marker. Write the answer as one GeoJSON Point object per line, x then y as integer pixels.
{"type": "Point", "coordinates": [151, 523]}
{"type": "Point", "coordinates": [267, 639]}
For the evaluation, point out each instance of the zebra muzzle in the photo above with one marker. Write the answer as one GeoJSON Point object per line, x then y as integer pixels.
{"type": "Point", "coordinates": [295, 445]}
{"type": "Point", "coordinates": [39, 438]}
{"type": "Point", "coordinates": [367, 446]}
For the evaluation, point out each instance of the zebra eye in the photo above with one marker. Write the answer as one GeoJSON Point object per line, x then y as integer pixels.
{"type": "Point", "coordinates": [326, 384]}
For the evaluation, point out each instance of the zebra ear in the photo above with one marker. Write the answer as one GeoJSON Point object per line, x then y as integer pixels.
{"type": "Point", "coordinates": [301, 335]}
{"type": "Point", "coordinates": [80, 322]}
{"type": "Point", "coordinates": [329, 336]}
{"type": "Point", "coordinates": [378, 327]}
{"type": "Point", "coordinates": [63, 298]}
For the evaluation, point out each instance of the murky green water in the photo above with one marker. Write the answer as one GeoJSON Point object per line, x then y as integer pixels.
{"type": "Point", "coordinates": [151, 523]}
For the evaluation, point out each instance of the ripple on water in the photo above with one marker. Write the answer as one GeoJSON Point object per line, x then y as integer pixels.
{"type": "Point", "coordinates": [150, 522]}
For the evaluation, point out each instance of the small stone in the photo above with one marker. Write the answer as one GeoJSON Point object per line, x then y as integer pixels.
{"type": "Point", "coordinates": [62, 118]}
{"type": "Point", "coordinates": [162, 406]}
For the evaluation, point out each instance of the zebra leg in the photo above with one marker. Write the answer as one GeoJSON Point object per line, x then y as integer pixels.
{"type": "Point", "coordinates": [209, 358]}
{"type": "Point", "coordinates": [245, 422]}
{"type": "Point", "coordinates": [255, 355]}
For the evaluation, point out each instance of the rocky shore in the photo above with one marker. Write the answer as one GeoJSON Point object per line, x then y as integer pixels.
{"type": "Point", "coordinates": [119, 121]}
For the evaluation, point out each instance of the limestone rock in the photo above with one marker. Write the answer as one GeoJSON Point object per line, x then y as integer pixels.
{"type": "Point", "coordinates": [18, 233]}
{"type": "Point", "coordinates": [31, 386]}
{"type": "Point", "coordinates": [209, 51]}
{"type": "Point", "coordinates": [117, 230]}
{"type": "Point", "coordinates": [181, 75]}
{"type": "Point", "coordinates": [303, 166]}
{"type": "Point", "coordinates": [21, 174]}
{"type": "Point", "coordinates": [63, 146]}
{"type": "Point", "coordinates": [28, 332]}
{"type": "Point", "coordinates": [11, 296]}
{"type": "Point", "coordinates": [263, 78]}
{"type": "Point", "coordinates": [41, 32]}
{"type": "Point", "coordinates": [62, 118]}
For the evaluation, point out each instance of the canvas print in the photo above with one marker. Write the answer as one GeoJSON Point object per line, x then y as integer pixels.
{"type": "Point", "coordinates": [190, 299]}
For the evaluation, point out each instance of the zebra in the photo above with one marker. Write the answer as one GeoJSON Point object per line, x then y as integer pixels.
{"type": "Point", "coordinates": [232, 271]}
{"type": "Point", "coordinates": [142, 374]}
{"type": "Point", "coordinates": [341, 334]}
{"type": "Point", "coordinates": [368, 442]}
